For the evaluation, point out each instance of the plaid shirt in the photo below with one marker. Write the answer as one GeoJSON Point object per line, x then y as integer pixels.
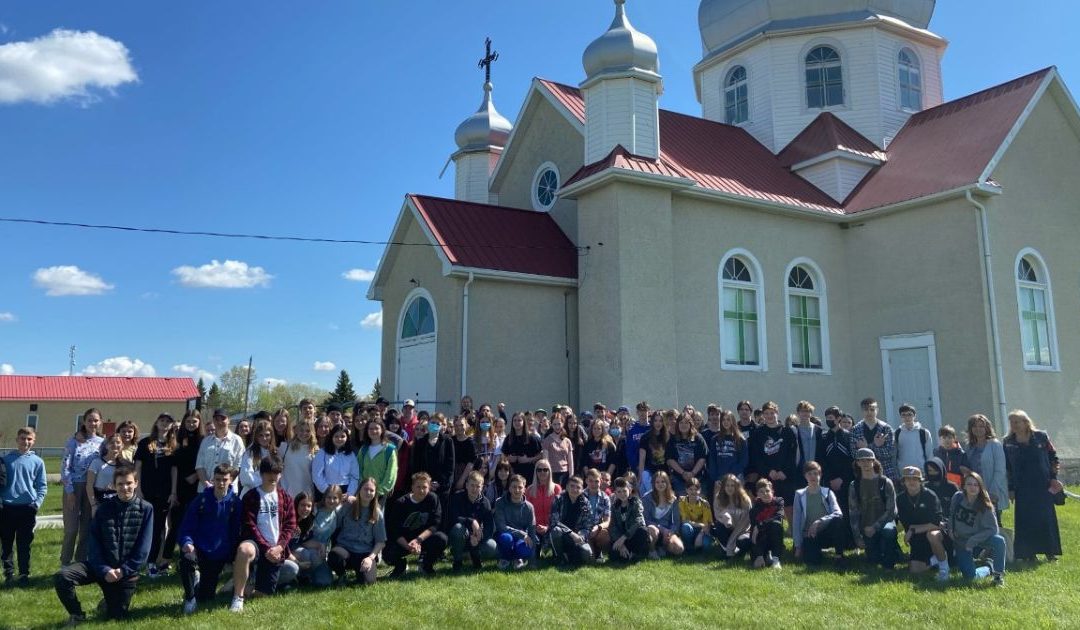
{"type": "Point", "coordinates": [600, 508]}
{"type": "Point", "coordinates": [886, 453]}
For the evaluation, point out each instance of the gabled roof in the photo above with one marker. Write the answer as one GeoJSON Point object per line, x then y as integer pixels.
{"type": "Point", "coordinates": [97, 388]}
{"type": "Point", "coordinates": [714, 155]}
{"type": "Point", "coordinates": [482, 236]}
{"type": "Point", "coordinates": [948, 146]}
{"type": "Point", "coordinates": [826, 134]}
{"type": "Point", "coordinates": [621, 158]}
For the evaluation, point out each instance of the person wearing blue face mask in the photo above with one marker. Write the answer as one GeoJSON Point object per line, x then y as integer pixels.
{"type": "Point", "coordinates": [599, 450]}
{"type": "Point", "coordinates": [487, 444]}
{"type": "Point", "coordinates": [434, 454]}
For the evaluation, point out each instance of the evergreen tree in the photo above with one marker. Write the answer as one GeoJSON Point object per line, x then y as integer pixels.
{"type": "Point", "coordinates": [202, 394]}
{"type": "Point", "coordinates": [343, 393]}
{"type": "Point", "coordinates": [376, 390]}
{"type": "Point", "coordinates": [214, 399]}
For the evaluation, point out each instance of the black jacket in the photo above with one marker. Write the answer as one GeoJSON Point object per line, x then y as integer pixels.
{"type": "Point", "coordinates": [922, 509]}
{"type": "Point", "coordinates": [437, 461]}
{"type": "Point", "coordinates": [407, 520]}
{"type": "Point", "coordinates": [774, 449]}
{"type": "Point", "coordinates": [571, 515]}
{"type": "Point", "coordinates": [464, 511]}
{"type": "Point", "coordinates": [836, 455]}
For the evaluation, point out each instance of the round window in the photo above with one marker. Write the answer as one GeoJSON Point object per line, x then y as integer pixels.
{"type": "Point", "coordinates": [545, 187]}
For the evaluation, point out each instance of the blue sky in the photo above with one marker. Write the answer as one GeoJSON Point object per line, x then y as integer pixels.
{"type": "Point", "coordinates": [309, 119]}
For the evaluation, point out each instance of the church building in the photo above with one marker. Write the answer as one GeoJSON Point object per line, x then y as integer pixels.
{"type": "Point", "coordinates": [828, 228]}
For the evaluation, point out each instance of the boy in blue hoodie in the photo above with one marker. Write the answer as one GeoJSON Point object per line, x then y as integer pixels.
{"type": "Point", "coordinates": [208, 537]}
{"type": "Point", "coordinates": [22, 493]}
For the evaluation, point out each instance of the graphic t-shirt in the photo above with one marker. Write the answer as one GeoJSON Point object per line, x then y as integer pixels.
{"type": "Point", "coordinates": [269, 525]}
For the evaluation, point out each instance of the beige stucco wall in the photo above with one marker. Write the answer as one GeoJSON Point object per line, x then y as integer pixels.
{"type": "Point", "coordinates": [917, 271]}
{"type": "Point", "coordinates": [706, 231]}
{"type": "Point", "coordinates": [1040, 208]}
{"type": "Point", "coordinates": [519, 336]}
{"type": "Point", "coordinates": [423, 265]}
{"type": "Point", "coordinates": [56, 419]}
{"type": "Point", "coordinates": [544, 135]}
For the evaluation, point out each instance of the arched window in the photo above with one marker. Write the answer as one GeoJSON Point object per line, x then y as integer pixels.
{"type": "Point", "coordinates": [742, 335]}
{"type": "Point", "coordinates": [807, 314]}
{"type": "Point", "coordinates": [824, 78]}
{"type": "Point", "coordinates": [419, 320]}
{"type": "Point", "coordinates": [910, 81]}
{"type": "Point", "coordinates": [1037, 335]}
{"type": "Point", "coordinates": [736, 97]}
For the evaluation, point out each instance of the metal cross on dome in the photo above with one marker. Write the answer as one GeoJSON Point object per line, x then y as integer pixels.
{"type": "Point", "coordinates": [489, 58]}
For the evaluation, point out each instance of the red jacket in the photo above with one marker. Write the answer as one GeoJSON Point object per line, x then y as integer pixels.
{"type": "Point", "coordinates": [250, 520]}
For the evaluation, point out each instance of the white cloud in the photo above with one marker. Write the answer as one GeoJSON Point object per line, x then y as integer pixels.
{"type": "Point", "coordinates": [231, 274]}
{"type": "Point", "coordinates": [359, 275]}
{"type": "Point", "coordinates": [324, 366]}
{"type": "Point", "coordinates": [6, 369]}
{"type": "Point", "coordinates": [372, 320]}
{"type": "Point", "coordinates": [69, 280]}
{"type": "Point", "coordinates": [274, 382]}
{"type": "Point", "coordinates": [8, 317]}
{"type": "Point", "coordinates": [62, 65]}
{"type": "Point", "coordinates": [194, 372]}
{"type": "Point", "coordinates": [119, 366]}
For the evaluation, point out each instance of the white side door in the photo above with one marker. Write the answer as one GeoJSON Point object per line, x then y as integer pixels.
{"type": "Point", "coordinates": [909, 367]}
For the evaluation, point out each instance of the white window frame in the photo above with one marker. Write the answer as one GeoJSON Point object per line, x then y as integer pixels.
{"type": "Point", "coordinates": [539, 207]}
{"type": "Point", "coordinates": [844, 78]}
{"type": "Point", "coordinates": [900, 86]}
{"type": "Point", "coordinates": [724, 92]}
{"type": "Point", "coordinates": [1042, 271]}
{"type": "Point", "coordinates": [820, 292]}
{"type": "Point", "coordinates": [759, 287]}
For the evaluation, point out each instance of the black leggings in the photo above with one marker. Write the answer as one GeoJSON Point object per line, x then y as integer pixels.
{"type": "Point", "coordinates": [770, 539]}
{"type": "Point", "coordinates": [431, 551]}
{"type": "Point", "coordinates": [161, 517]}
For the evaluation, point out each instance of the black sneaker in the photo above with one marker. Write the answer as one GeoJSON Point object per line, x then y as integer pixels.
{"type": "Point", "coordinates": [999, 579]}
{"type": "Point", "coordinates": [456, 568]}
{"type": "Point", "coordinates": [476, 562]}
{"type": "Point", "coordinates": [399, 570]}
{"type": "Point", "coordinates": [9, 580]}
{"type": "Point", "coordinates": [24, 581]}
{"type": "Point", "coordinates": [427, 569]}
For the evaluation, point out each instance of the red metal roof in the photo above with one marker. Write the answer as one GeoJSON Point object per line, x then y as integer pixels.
{"type": "Point", "coordinates": [716, 156]}
{"type": "Point", "coordinates": [827, 133]}
{"type": "Point", "coordinates": [494, 237]}
{"type": "Point", "coordinates": [939, 149]}
{"type": "Point", "coordinates": [96, 388]}
{"type": "Point", "coordinates": [948, 146]}
{"type": "Point", "coordinates": [621, 158]}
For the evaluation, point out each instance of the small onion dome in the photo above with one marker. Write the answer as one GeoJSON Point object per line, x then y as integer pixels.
{"type": "Point", "coordinates": [485, 128]}
{"type": "Point", "coordinates": [621, 48]}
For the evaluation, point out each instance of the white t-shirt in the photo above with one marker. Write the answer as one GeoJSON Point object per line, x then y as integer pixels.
{"type": "Point", "coordinates": [269, 526]}
{"type": "Point", "coordinates": [374, 450]}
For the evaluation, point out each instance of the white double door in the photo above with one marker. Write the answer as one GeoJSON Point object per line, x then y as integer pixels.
{"type": "Point", "coordinates": [416, 372]}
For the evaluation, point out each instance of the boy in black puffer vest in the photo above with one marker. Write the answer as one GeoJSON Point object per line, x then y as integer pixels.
{"type": "Point", "coordinates": [120, 533]}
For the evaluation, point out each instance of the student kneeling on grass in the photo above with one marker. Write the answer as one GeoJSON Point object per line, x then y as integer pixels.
{"type": "Point", "coordinates": [208, 538]}
{"type": "Point", "coordinates": [362, 536]}
{"type": "Point", "coordinates": [920, 512]}
{"type": "Point", "coordinates": [22, 492]}
{"type": "Point", "coordinates": [119, 544]}
{"type": "Point", "coordinates": [767, 526]}
{"type": "Point", "coordinates": [571, 519]}
{"type": "Point", "coordinates": [818, 523]}
{"type": "Point", "coordinates": [696, 516]}
{"type": "Point", "coordinates": [872, 510]}
{"type": "Point", "coordinates": [731, 517]}
{"type": "Point", "coordinates": [413, 528]}
{"type": "Point", "coordinates": [267, 525]}
{"type": "Point", "coordinates": [515, 527]}
{"type": "Point", "coordinates": [472, 523]}
{"type": "Point", "coordinates": [629, 534]}
{"type": "Point", "coordinates": [973, 524]}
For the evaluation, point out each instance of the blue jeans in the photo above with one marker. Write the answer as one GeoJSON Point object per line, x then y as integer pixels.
{"type": "Point", "coordinates": [882, 548]}
{"type": "Point", "coordinates": [689, 533]}
{"type": "Point", "coordinates": [459, 545]}
{"type": "Point", "coordinates": [965, 559]}
{"type": "Point", "coordinates": [510, 549]}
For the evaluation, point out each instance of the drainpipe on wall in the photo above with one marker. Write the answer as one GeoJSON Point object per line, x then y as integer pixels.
{"type": "Point", "coordinates": [988, 279]}
{"type": "Point", "coordinates": [465, 336]}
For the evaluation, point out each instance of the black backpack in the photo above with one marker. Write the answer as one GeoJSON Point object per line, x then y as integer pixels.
{"type": "Point", "coordinates": [924, 436]}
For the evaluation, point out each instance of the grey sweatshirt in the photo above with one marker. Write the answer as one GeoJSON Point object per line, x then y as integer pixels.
{"type": "Point", "coordinates": [519, 519]}
{"type": "Point", "coordinates": [968, 526]}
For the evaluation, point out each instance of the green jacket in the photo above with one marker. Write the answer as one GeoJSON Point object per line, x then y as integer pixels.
{"type": "Point", "coordinates": [382, 468]}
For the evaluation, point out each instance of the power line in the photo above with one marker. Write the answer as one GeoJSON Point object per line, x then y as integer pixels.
{"type": "Point", "coordinates": [266, 237]}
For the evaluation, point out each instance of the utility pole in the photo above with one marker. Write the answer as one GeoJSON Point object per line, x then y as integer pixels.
{"type": "Point", "coordinates": [247, 387]}
{"type": "Point", "coordinates": [71, 361]}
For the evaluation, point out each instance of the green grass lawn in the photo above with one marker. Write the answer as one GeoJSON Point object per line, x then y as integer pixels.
{"type": "Point", "coordinates": [690, 592]}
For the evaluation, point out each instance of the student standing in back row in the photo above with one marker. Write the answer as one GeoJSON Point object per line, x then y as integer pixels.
{"type": "Point", "coordinates": [914, 443]}
{"type": "Point", "coordinates": [22, 494]}
{"type": "Point", "coordinates": [877, 436]}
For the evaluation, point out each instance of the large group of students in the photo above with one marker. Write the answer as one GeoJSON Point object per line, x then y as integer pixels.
{"type": "Point", "coordinates": [325, 496]}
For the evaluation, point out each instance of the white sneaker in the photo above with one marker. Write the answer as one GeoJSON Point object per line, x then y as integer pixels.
{"type": "Point", "coordinates": [190, 606]}
{"type": "Point", "coordinates": [519, 564]}
{"type": "Point", "coordinates": [237, 605]}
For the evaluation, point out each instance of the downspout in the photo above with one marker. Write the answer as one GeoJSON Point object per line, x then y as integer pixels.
{"type": "Point", "coordinates": [988, 279]}
{"type": "Point", "coordinates": [465, 336]}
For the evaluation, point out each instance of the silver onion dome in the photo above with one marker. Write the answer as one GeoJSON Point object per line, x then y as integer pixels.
{"type": "Point", "coordinates": [724, 21]}
{"type": "Point", "coordinates": [621, 48]}
{"type": "Point", "coordinates": [485, 128]}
